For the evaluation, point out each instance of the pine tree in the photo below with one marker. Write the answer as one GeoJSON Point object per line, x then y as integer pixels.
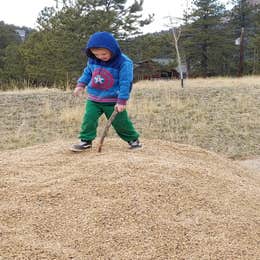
{"type": "Point", "coordinates": [11, 63]}
{"type": "Point", "coordinates": [54, 53]}
{"type": "Point", "coordinates": [7, 36]}
{"type": "Point", "coordinates": [256, 42]}
{"type": "Point", "coordinates": [242, 27]}
{"type": "Point", "coordinates": [203, 37]}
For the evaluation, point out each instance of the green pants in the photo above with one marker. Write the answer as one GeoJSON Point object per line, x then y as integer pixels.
{"type": "Point", "coordinates": [122, 124]}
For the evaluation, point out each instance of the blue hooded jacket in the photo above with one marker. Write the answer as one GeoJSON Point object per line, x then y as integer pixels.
{"type": "Point", "coordinates": [107, 81]}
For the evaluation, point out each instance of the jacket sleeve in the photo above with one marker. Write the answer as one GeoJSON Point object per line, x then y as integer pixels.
{"type": "Point", "coordinates": [125, 82]}
{"type": "Point", "coordinates": [85, 77]}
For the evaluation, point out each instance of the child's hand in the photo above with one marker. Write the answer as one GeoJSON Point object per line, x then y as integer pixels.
{"type": "Point", "coordinates": [78, 91]}
{"type": "Point", "coordinates": [120, 108]}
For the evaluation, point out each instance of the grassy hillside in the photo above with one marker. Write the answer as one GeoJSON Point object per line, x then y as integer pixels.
{"type": "Point", "coordinates": [219, 114]}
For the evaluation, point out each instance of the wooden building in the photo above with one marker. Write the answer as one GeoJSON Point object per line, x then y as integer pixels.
{"type": "Point", "coordinates": [154, 69]}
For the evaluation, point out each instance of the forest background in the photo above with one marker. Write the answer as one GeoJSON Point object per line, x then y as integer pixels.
{"type": "Point", "coordinates": [214, 40]}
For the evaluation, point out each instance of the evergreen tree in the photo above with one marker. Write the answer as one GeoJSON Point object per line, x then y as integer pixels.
{"type": "Point", "coordinates": [13, 64]}
{"type": "Point", "coordinates": [244, 26]}
{"type": "Point", "coordinates": [11, 60]}
{"type": "Point", "coordinates": [55, 52]}
{"type": "Point", "coordinates": [255, 39]}
{"type": "Point", "coordinates": [8, 36]}
{"type": "Point", "coordinates": [204, 37]}
{"type": "Point", "coordinates": [149, 46]}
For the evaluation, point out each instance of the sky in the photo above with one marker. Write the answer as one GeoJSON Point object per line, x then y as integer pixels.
{"type": "Point", "coordinates": [25, 12]}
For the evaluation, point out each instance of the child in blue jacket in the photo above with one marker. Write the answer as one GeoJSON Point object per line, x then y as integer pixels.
{"type": "Point", "coordinates": [108, 78]}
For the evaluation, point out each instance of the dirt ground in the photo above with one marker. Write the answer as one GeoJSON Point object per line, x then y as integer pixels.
{"type": "Point", "coordinates": [165, 201]}
{"type": "Point", "coordinates": [251, 164]}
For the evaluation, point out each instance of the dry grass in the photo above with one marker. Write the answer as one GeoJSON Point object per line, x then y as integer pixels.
{"type": "Point", "coordinates": [166, 201]}
{"type": "Point", "coordinates": [219, 114]}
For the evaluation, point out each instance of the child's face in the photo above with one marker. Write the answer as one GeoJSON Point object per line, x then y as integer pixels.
{"type": "Point", "coordinates": [102, 54]}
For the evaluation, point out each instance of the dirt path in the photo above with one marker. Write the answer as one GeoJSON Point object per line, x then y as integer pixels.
{"type": "Point", "coordinates": [166, 201]}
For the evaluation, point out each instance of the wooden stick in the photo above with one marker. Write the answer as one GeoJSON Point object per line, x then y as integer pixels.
{"type": "Point", "coordinates": [105, 131]}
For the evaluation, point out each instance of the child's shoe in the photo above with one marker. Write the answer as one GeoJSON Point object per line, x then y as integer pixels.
{"type": "Point", "coordinates": [134, 144]}
{"type": "Point", "coordinates": [82, 146]}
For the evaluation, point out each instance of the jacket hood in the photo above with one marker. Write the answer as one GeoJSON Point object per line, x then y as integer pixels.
{"type": "Point", "coordinates": [103, 40]}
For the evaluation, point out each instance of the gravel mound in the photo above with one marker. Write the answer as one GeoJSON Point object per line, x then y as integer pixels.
{"type": "Point", "coordinates": [165, 201]}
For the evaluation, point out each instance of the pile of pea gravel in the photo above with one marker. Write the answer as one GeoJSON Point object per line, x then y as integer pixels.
{"type": "Point", "coordinates": [165, 201]}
